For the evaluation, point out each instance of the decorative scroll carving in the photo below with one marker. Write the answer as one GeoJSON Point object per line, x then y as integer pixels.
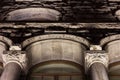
{"type": "Point", "coordinates": [92, 57]}
{"type": "Point", "coordinates": [16, 56]}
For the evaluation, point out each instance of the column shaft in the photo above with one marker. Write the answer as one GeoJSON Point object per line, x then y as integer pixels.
{"type": "Point", "coordinates": [98, 72]}
{"type": "Point", "coordinates": [11, 72]}
{"type": "Point", "coordinates": [1, 68]}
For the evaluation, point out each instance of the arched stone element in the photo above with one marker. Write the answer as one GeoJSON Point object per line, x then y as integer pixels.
{"type": "Point", "coordinates": [4, 43]}
{"type": "Point", "coordinates": [48, 65]}
{"type": "Point", "coordinates": [34, 14]}
{"type": "Point", "coordinates": [55, 47]}
{"type": "Point", "coordinates": [63, 70]}
{"type": "Point", "coordinates": [112, 45]}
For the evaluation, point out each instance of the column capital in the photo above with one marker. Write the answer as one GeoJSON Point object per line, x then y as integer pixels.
{"type": "Point", "coordinates": [94, 56]}
{"type": "Point", "coordinates": [16, 56]}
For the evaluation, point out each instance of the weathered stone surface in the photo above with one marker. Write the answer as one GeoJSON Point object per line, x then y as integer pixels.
{"type": "Point", "coordinates": [55, 36]}
{"type": "Point", "coordinates": [98, 72]}
{"type": "Point", "coordinates": [5, 42]}
{"type": "Point", "coordinates": [11, 71]}
{"type": "Point", "coordinates": [95, 56]}
{"type": "Point", "coordinates": [112, 44]}
{"type": "Point", "coordinates": [34, 14]}
{"type": "Point", "coordinates": [55, 49]}
{"type": "Point", "coordinates": [80, 10]}
{"type": "Point", "coordinates": [117, 14]}
{"type": "Point", "coordinates": [16, 56]}
{"type": "Point", "coordinates": [1, 68]}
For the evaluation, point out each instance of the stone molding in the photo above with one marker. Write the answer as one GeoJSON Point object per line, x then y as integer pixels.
{"type": "Point", "coordinates": [64, 25]}
{"type": "Point", "coordinates": [109, 39]}
{"type": "Point", "coordinates": [6, 40]}
{"type": "Point", "coordinates": [56, 36]}
{"type": "Point", "coordinates": [96, 56]}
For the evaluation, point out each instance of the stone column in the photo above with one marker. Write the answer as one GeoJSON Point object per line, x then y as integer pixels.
{"type": "Point", "coordinates": [15, 62]}
{"type": "Point", "coordinates": [11, 72]}
{"type": "Point", "coordinates": [96, 63]}
{"type": "Point", "coordinates": [1, 68]}
{"type": "Point", "coordinates": [4, 44]}
{"type": "Point", "coordinates": [98, 72]}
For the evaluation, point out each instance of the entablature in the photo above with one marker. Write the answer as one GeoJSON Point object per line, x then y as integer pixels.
{"type": "Point", "coordinates": [91, 31]}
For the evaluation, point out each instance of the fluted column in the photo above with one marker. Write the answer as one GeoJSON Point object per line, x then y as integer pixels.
{"type": "Point", "coordinates": [96, 63]}
{"type": "Point", "coordinates": [15, 62]}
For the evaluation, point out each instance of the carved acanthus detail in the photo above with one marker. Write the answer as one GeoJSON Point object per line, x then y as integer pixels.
{"type": "Point", "coordinates": [92, 57]}
{"type": "Point", "coordinates": [16, 56]}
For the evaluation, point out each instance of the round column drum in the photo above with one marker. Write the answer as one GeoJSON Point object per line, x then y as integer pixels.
{"type": "Point", "coordinates": [58, 51]}
{"type": "Point", "coordinates": [34, 14]}
{"type": "Point", "coordinates": [112, 45]}
{"type": "Point", "coordinates": [4, 44]}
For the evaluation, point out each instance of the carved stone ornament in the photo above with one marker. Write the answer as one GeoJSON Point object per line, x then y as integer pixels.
{"type": "Point", "coordinates": [92, 57]}
{"type": "Point", "coordinates": [16, 56]}
{"type": "Point", "coordinates": [55, 36]}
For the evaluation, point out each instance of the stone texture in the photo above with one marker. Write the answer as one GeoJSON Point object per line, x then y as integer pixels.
{"type": "Point", "coordinates": [34, 14]}
{"type": "Point", "coordinates": [70, 10]}
{"type": "Point", "coordinates": [1, 68]}
{"type": "Point", "coordinates": [98, 72]}
{"type": "Point", "coordinates": [48, 50]}
{"type": "Point", "coordinates": [11, 71]}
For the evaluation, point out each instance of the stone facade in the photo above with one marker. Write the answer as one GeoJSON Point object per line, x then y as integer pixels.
{"type": "Point", "coordinates": [83, 10]}
{"type": "Point", "coordinates": [45, 40]}
{"type": "Point", "coordinates": [55, 53]}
